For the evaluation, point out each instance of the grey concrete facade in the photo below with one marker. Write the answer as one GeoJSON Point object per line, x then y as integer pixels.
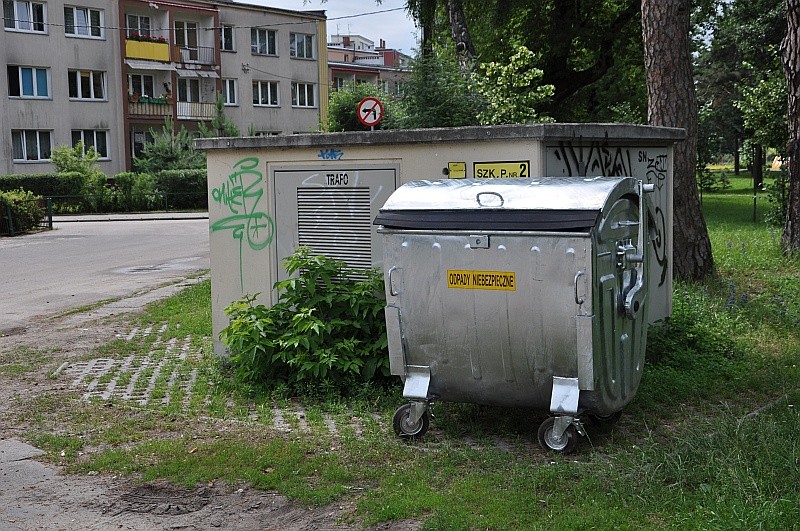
{"type": "Point", "coordinates": [71, 73]}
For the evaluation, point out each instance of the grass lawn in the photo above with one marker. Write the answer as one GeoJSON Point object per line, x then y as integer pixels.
{"type": "Point", "coordinates": [710, 441]}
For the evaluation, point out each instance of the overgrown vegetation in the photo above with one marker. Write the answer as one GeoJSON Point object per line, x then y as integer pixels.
{"type": "Point", "coordinates": [326, 333]}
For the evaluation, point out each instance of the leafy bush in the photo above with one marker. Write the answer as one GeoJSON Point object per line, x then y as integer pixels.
{"type": "Point", "coordinates": [777, 194]}
{"type": "Point", "coordinates": [343, 103]}
{"type": "Point", "coordinates": [186, 188]}
{"type": "Point", "coordinates": [75, 159]}
{"type": "Point", "coordinates": [137, 191]}
{"type": "Point", "coordinates": [23, 208]}
{"type": "Point", "coordinates": [327, 330]}
{"type": "Point", "coordinates": [45, 184]}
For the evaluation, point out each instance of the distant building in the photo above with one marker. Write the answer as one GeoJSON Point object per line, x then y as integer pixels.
{"type": "Point", "coordinates": [355, 59]}
{"type": "Point", "coordinates": [107, 71]}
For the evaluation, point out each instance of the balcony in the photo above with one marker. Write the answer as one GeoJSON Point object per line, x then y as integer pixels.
{"type": "Point", "coordinates": [195, 111]}
{"type": "Point", "coordinates": [200, 55]}
{"type": "Point", "coordinates": [152, 51]}
{"type": "Point", "coordinates": [149, 107]}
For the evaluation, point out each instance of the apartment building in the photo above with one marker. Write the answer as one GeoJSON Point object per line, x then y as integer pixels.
{"type": "Point", "coordinates": [355, 59]}
{"type": "Point", "coordinates": [106, 72]}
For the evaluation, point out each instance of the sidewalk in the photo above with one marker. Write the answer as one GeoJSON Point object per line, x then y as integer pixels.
{"type": "Point", "coordinates": [120, 216]}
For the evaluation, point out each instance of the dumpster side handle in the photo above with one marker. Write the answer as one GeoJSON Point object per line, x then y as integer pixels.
{"type": "Point", "coordinates": [392, 291]}
{"type": "Point", "coordinates": [578, 299]}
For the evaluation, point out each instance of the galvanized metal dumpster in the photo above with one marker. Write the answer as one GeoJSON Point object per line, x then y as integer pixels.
{"type": "Point", "coordinates": [518, 292]}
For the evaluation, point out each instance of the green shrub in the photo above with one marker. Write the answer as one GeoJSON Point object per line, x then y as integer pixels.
{"type": "Point", "coordinates": [327, 331]}
{"type": "Point", "coordinates": [23, 208]}
{"type": "Point", "coordinates": [137, 191]}
{"type": "Point", "coordinates": [45, 184]}
{"type": "Point", "coordinates": [777, 194]}
{"type": "Point", "coordinates": [169, 150]}
{"type": "Point", "coordinates": [184, 188]}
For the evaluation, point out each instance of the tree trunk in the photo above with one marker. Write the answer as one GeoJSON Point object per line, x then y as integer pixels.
{"type": "Point", "coordinates": [758, 166]}
{"type": "Point", "coordinates": [790, 55]}
{"type": "Point", "coordinates": [672, 102]}
{"type": "Point", "coordinates": [465, 49]}
{"type": "Point", "coordinates": [736, 160]}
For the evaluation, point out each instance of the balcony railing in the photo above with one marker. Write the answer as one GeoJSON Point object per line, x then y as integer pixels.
{"type": "Point", "coordinates": [140, 108]}
{"type": "Point", "coordinates": [153, 51]}
{"type": "Point", "coordinates": [201, 55]}
{"type": "Point", "coordinates": [195, 111]}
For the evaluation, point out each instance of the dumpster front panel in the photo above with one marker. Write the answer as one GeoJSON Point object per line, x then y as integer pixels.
{"type": "Point", "coordinates": [494, 323]}
{"type": "Point", "coordinates": [622, 254]}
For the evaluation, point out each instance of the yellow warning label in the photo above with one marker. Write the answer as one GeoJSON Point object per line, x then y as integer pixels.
{"type": "Point", "coordinates": [457, 170]}
{"type": "Point", "coordinates": [498, 170]}
{"type": "Point", "coordinates": [495, 280]}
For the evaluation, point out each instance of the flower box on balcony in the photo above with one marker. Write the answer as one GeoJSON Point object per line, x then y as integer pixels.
{"type": "Point", "coordinates": [154, 51]}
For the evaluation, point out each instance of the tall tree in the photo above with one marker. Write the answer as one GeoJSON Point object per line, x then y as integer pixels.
{"type": "Point", "coordinates": [790, 54]}
{"type": "Point", "coordinates": [672, 102]}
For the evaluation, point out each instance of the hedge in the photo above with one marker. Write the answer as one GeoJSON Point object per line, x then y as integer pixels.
{"type": "Point", "coordinates": [45, 184]}
{"type": "Point", "coordinates": [171, 189]}
{"type": "Point", "coordinates": [184, 188]}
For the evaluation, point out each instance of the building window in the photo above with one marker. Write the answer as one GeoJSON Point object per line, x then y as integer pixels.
{"type": "Point", "coordinates": [141, 84]}
{"type": "Point", "coordinates": [28, 82]}
{"type": "Point", "coordinates": [24, 16]}
{"type": "Point", "coordinates": [302, 95]}
{"type": "Point", "coordinates": [83, 22]}
{"type": "Point", "coordinates": [30, 144]}
{"type": "Point", "coordinates": [262, 41]}
{"type": "Point", "coordinates": [186, 39]}
{"type": "Point", "coordinates": [227, 43]}
{"type": "Point", "coordinates": [86, 85]}
{"type": "Point", "coordinates": [301, 45]}
{"type": "Point", "coordinates": [229, 92]}
{"type": "Point", "coordinates": [265, 93]}
{"type": "Point", "coordinates": [188, 90]}
{"type": "Point", "coordinates": [91, 138]}
{"type": "Point", "coordinates": [138, 25]}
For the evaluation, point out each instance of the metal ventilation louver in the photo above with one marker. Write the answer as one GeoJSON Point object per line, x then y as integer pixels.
{"type": "Point", "coordinates": [337, 223]}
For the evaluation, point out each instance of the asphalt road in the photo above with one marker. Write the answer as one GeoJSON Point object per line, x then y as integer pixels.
{"type": "Point", "coordinates": [83, 262]}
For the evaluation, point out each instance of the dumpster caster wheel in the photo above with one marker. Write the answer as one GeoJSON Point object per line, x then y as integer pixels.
{"type": "Point", "coordinates": [406, 429]}
{"type": "Point", "coordinates": [565, 444]}
{"type": "Point", "coordinates": [605, 420]}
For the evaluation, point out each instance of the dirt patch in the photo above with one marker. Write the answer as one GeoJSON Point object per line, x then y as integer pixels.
{"type": "Point", "coordinates": [36, 495]}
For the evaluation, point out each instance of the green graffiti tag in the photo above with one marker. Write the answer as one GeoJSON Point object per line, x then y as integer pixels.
{"type": "Point", "coordinates": [241, 194]}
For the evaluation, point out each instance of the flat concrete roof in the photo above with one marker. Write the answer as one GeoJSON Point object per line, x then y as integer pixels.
{"type": "Point", "coordinates": [625, 133]}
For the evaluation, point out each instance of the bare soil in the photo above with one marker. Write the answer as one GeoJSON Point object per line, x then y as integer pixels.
{"type": "Point", "coordinates": [37, 494]}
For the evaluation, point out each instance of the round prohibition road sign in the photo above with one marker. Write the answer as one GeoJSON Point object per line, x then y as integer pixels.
{"type": "Point", "coordinates": [370, 111]}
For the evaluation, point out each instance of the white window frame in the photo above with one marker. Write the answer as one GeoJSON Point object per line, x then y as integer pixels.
{"type": "Point", "coordinates": [257, 41]}
{"type": "Point", "coordinates": [29, 19]}
{"type": "Point", "coordinates": [141, 82]}
{"type": "Point", "coordinates": [230, 92]}
{"type": "Point", "coordinates": [300, 95]}
{"type": "Point", "coordinates": [227, 29]}
{"type": "Point", "coordinates": [189, 90]}
{"type": "Point", "coordinates": [270, 89]}
{"type": "Point", "coordinates": [301, 46]}
{"type": "Point", "coordinates": [137, 27]}
{"type": "Point", "coordinates": [91, 96]}
{"type": "Point", "coordinates": [89, 27]}
{"type": "Point", "coordinates": [82, 133]}
{"type": "Point", "coordinates": [35, 79]}
{"type": "Point", "coordinates": [23, 142]}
